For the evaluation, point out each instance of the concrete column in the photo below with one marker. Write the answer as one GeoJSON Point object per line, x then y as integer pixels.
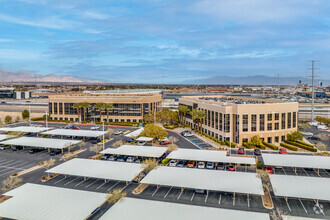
{"type": "Point", "coordinates": [84, 178]}
{"type": "Point", "coordinates": [157, 186]}
{"type": "Point", "coordinates": [126, 183]}
{"type": "Point", "coordinates": [105, 180]}
{"type": "Point", "coordinates": [318, 171]}
{"type": "Point", "coordinates": [62, 150]}
{"type": "Point", "coordinates": [48, 149]}
{"type": "Point", "coordinates": [65, 176]}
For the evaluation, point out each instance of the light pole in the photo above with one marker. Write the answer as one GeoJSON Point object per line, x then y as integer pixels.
{"type": "Point", "coordinates": [46, 119]}
{"type": "Point", "coordinates": [103, 135]}
{"type": "Point", "coordinates": [29, 115]}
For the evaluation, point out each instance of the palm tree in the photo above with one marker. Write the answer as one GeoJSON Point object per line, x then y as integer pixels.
{"type": "Point", "coordinates": [108, 107]}
{"type": "Point", "coordinates": [194, 115]}
{"type": "Point", "coordinates": [183, 110]}
{"type": "Point", "coordinates": [99, 106]}
{"type": "Point", "coordinates": [115, 195]}
{"type": "Point", "coordinates": [85, 105]}
{"type": "Point", "coordinates": [200, 116]}
{"type": "Point", "coordinates": [77, 106]}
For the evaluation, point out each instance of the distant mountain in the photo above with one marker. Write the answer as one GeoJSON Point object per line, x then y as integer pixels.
{"type": "Point", "coordinates": [252, 80]}
{"type": "Point", "coordinates": [23, 76]}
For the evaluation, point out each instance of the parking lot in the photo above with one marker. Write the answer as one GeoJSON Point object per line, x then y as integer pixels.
{"type": "Point", "coordinates": [198, 142]}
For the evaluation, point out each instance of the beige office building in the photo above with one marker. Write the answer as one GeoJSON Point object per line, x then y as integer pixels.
{"type": "Point", "coordinates": [128, 107]}
{"type": "Point", "coordinates": [243, 118]}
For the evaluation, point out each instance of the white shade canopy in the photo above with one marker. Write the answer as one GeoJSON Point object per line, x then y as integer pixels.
{"type": "Point", "coordinates": [25, 129]}
{"type": "Point", "coordinates": [133, 150]}
{"type": "Point", "coordinates": [215, 180]}
{"type": "Point", "coordinates": [75, 133]}
{"type": "Point", "coordinates": [135, 133]}
{"type": "Point", "coordinates": [4, 137]}
{"type": "Point", "coordinates": [99, 169]}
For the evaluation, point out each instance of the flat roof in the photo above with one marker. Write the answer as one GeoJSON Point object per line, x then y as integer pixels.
{"type": "Point", "coordinates": [215, 180]}
{"type": "Point", "coordinates": [148, 209]}
{"type": "Point", "coordinates": [25, 129]}
{"type": "Point", "coordinates": [76, 133]}
{"type": "Point", "coordinates": [100, 169]}
{"type": "Point", "coordinates": [34, 201]}
{"type": "Point", "coordinates": [4, 136]}
{"type": "Point", "coordinates": [133, 150]}
{"type": "Point", "coordinates": [291, 160]}
{"type": "Point", "coordinates": [295, 186]}
{"type": "Point", "coordinates": [40, 142]}
{"type": "Point", "coordinates": [135, 133]}
{"type": "Point", "coordinates": [208, 155]}
{"type": "Point", "coordinates": [144, 139]}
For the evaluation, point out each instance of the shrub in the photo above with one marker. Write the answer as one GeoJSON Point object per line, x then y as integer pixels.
{"type": "Point", "coordinates": [166, 160]}
{"type": "Point", "coordinates": [14, 174]}
{"type": "Point", "coordinates": [259, 165]}
{"type": "Point", "coordinates": [301, 146]}
{"type": "Point", "coordinates": [25, 114]}
{"type": "Point", "coordinates": [247, 145]}
{"type": "Point", "coordinates": [288, 146]}
{"type": "Point", "coordinates": [43, 177]}
{"type": "Point", "coordinates": [170, 126]}
{"type": "Point", "coordinates": [261, 146]}
{"type": "Point", "coordinates": [233, 145]}
{"type": "Point", "coordinates": [8, 119]}
{"type": "Point", "coordinates": [304, 143]}
{"type": "Point", "coordinates": [272, 146]}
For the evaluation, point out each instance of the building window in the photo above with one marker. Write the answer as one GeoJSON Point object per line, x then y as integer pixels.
{"type": "Point", "coordinates": [294, 119]}
{"type": "Point", "coordinates": [253, 122]}
{"type": "Point", "coordinates": [270, 117]}
{"type": "Point", "coordinates": [50, 108]}
{"type": "Point", "coordinates": [283, 121]}
{"type": "Point", "coordinates": [236, 128]}
{"type": "Point", "coordinates": [217, 120]}
{"type": "Point", "coordinates": [116, 120]}
{"type": "Point", "coordinates": [245, 140]}
{"type": "Point", "coordinates": [289, 120]}
{"type": "Point", "coordinates": [276, 139]}
{"type": "Point", "coordinates": [134, 120]}
{"type": "Point", "coordinates": [110, 120]}
{"type": "Point", "coordinates": [220, 124]}
{"type": "Point", "coordinates": [212, 119]}
{"type": "Point", "coordinates": [262, 122]}
{"type": "Point", "coordinates": [269, 140]}
{"type": "Point", "coordinates": [55, 108]}
{"type": "Point", "coordinates": [277, 126]}
{"type": "Point", "coordinates": [283, 138]}
{"type": "Point", "coordinates": [60, 108]}
{"type": "Point", "coordinates": [245, 123]}
{"type": "Point", "coordinates": [128, 120]}
{"type": "Point", "coordinates": [277, 116]}
{"type": "Point", "coordinates": [208, 117]}
{"type": "Point", "coordinates": [269, 127]}
{"type": "Point", "coordinates": [122, 120]}
{"type": "Point", "coordinates": [227, 122]}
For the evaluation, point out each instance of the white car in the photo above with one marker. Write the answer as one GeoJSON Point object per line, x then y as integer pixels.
{"type": "Point", "coordinates": [117, 132]}
{"type": "Point", "coordinates": [201, 165]}
{"type": "Point", "coordinates": [130, 159]}
{"type": "Point", "coordinates": [3, 147]}
{"type": "Point", "coordinates": [95, 128]}
{"type": "Point", "coordinates": [322, 127]}
{"type": "Point", "coordinates": [173, 163]}
{"type": "Point", "coordinates": [142, 143]}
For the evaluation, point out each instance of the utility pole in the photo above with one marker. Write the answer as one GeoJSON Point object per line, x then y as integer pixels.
{"type": "Point", "coordinates": [46, 119]}
{"type": "Point", "coordinates": [313, 76]}
{"type": "Point", "coordinates": [29, 115]}
{"type": "Point", "coordinates": [278, 86]}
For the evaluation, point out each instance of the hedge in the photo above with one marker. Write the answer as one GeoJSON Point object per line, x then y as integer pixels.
{"type": "Point", "coordinates": [272, 146]}
{"type": "Point", "coordinates": [301, 145]}
{"type": "Point", "coordinates": [247, 145]}
{"type": "Point", "coordinates": [216, 140]}
{"type": "Point", "coordinates": [304, 143]}
{"type": "Point", "coordinates": [262, 147]}
{"type": "Point", "coordinates": [131, 124]}
{"type": "Point", "coordinates": [259, 165]}
{"type": "Point", "coordinates": [166, 160]}
{"type": "Point", "coordinates": [288, 146]}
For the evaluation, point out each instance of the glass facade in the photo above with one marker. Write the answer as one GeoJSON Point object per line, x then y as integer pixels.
{"type": "Point", "coordinates": [245, 123]}
{"type": "Point", "coordinates": [261, 122]}
{"type": "Point", "coordinates": [253, 122]}
{"type": "Point", "coordinates": [283, 121]}
{"type": "Point", "coordinates": [227, 122]}
{"type": "Point", "coordinates": [289, 120]}
{"type": "Point", "coordinates": [294, 119]}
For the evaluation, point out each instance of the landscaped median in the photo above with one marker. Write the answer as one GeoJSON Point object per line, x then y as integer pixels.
{"type": "Point", "coordinates": [46, 178]}
{"type": "Point", "coordinates": [271, 146]}
{"type": "Point", "coordinates": [26, 171]}
{"type": "Point", "coordinates": [288, 146]}
{"type": "Point", "coordinates": [302, 145]}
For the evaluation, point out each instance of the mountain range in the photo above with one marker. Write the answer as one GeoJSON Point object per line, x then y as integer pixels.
{"type": "Point", "coordinates": [253, 80]}
{"type": "Point", "coordinates": [23, 76]}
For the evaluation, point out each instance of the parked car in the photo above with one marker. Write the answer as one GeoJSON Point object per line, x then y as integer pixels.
{"type": "Point", "coordinates": [94, 141]}
{"type": "Point", "coordinates": [210, 165]}
{"type": "Point", "coordinates": [257, 152]}
{"type": "Point", "coordinates": [269, 169]}
{"type": "Point", "coordinates": [130, 159]}
{"type": "Point", "coordinates": [118, 132]}
{"type": "Point", "coordinates": [283, 151]}
{"type": "Point", "coordinates": [55, 152]}
{"type": "Point", "coordinates": [138, 160]}
{"type": "Point", "coordinates": [221, 166]}
{"type": "Point", "coordinates": [34, 150]}
{"type": "Point", "coordinates": [121, 158]}
{"type": "Point", "coordinates": [105, 157]}
{"type": "Point", "coordinates": [200, 191]}
{"type": "Point", "coordinates": [16, 148]}
{"type": "Point", "coordinates": [182, 163]}
{"type": "Point", "coordinates": [240, 150]}
{"type": "Point", "coordinates": [112, 158]}
{"type": "Point", "coordinates": [71, 127]}
{"type": "Point", "coordinates": [186, 134]}
{"type": "Point", "coordinates": [165, 142]}
{"type": "Point", "coordinates": [231, 168]}
{"type": "Point", "coordinates": [3, 147]}
{"type": "Point", "coordinates": [314, 137]}
{"type": "Point", "coordinates": [130, 140]}
{"type": "Point", "coordinates": [191, 164]}
{"type": "Point", "coordinates": [95, 128]}
{"type": "Point", "coordinates": [201, 165]}
{"type": "Point", "coordinates": [173, 163]}
{"type": "Point", "coordinates": [142, 143]}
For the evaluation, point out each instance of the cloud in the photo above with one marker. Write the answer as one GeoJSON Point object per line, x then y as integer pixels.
{"type": "Point", "coordinates": [95, 15]}
{"type": "Point", "coordinates": [17, 54]}
{"type": "Point", "coordinates": [2, 40]}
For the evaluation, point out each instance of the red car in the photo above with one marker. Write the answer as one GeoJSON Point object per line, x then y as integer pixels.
{"type": "Point", "coordinates": [283, 151]}
{"type": "Point", "coordinates": [165, 142]}
{"type": "Point", "coordinates": [231, 168]}
{"type": "Point", "coordinates": [240, 151]}
{"type": "Point", "coordinates": [191, 164]}
{"type": "Point", "coordinates": [269, 169]}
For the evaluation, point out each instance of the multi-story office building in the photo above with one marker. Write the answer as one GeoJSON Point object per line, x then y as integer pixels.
{"type": "Point", "coordinates": [128, 107]}
{"type": "Point", "coordinates": [242, 118]}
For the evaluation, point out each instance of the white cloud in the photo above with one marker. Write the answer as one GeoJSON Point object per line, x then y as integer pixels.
{"type": "Point", "coordinates": [95, 15]}
{"type": "Point", "coordinates": [5, 40]}
{"type": "Point", "coordinates": [17, 54]}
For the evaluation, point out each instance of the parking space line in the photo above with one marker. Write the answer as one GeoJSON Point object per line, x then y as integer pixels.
{"type": "Point", "coordinates": [92, 183]}
{"type": "Point", "coordinates": [155, 191]}
{"type": "Point", "coordinates": [284, 171]}
{"type": "Point", "coordinates": [81, 182]}
{"type": "Point", "coordinates": [59, 180]}
{"type": "Point", "coordinates": [125, 186]}
{"type": "Point", "coordinates": [207, 195]}
{"type": "Point", "coordinates": [113, 186]}
{"type": "Point", "coordinates": [101, 185]}
{"type": "Point", "coordinates": [321, 210]}
{"type": "Point", "coordinates": [303, 205]}
{"type": "Point", "coordinates": [192, 197]}
{"type": "Point", "coordinates": [220, 199]}
{"type": "Point", "coordinates": [168, 192]}
{"type": "Point", "coordinates": [233, 200]}
{"type": "Point", "coordinates": [180, 194]}
{"type": "Point", "coordinates": [71, 181]}
{"type": "Point", "coordinates": [2, 174]}
{"type": "Point", "coordinates": [305, 171]}
{"type": "Point", "coordinates": [287, 204]}
{"type": "Point", "coordinates": [7, 162]}
{"type": "Point", "coordinates": [248, 200]}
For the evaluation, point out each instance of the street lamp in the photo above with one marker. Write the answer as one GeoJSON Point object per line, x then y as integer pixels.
{"type": "Point", "coordinates": [46, 120]}
{"type": "Point", "coordinates": [103, 135]}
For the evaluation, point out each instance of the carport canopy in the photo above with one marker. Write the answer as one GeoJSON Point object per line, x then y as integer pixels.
{"type": "Point", "coordinates": [148, 209]}
{"type": "Point", "coordinates": [4, 136]}
{"type": "Point", "coordinates": [39, 202]}
{"type": "Point", "coordinates": [295, 187]}
{"type": "Point", "coordinates": [75, 133]}
{"type": "Point", "coordinates": [135, 133]}
{"type": "Point", "coordinates": [215, 180]}
{"type": "Point", "coordinates": [40, 142]}
{"type": "Point", "coordinates": [133, 150]}
{"type": "Point", "coordinates": [144, 139]}
{"type": "Point", "coordinates": [25, 129]}
{"type": "Point", "coordinates": [209, 155]}
{"type": "Point", "coordinates": [302, 161]}
{"type": "Point", "coordinates": [98, 169]}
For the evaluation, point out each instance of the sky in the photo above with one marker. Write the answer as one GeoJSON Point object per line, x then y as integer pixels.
{"type": "Point", "coordinates": [170, 41]}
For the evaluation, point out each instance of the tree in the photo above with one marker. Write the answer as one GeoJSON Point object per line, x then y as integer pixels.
{"type": "Point", "coordinates": [17, 119]}
{"type": "Point", "coordinates": [77, 106]}
{"type": "Point", "coordinates": [148, 118]}
{"type": "Point", "coordinates": [194, 116]}
{"type": "Point", "coordinates": [68, 156]}
{"type": "Point", "coordinates": [100, 106]}
{"type": "Point", "coordinates": [200, 116]}
{"type": "Point", "coordinates": [109, 131]}
{"type": "Point", "coordinates": [115, 195]}
{"type": "Point", "coordinates": [118, 143]}
{"type": "Point", "coordinates": [183, 110]}
{"type": "Point", "coordinates": [154, 131]}
{"type": "Point", "coordinates": [8, 119]}
{"type": "Point", "coordinates": [25, 114]}
{"type": "Point", "coordinates": [295, 136]}
{"type": "Point", "coordinates": [47, 163]}
{"type": "Point", "coordinates": [85, 105]}
{"type": "Point", "coordinates": [149, 164]}
{"type": "Point", "coordinates": [96, 148]}
{"type": "Point", "coordinates": [108, 107]}
{"type": "Point", "coordinates": [256, 141]}
{"type": "Point", "coordinates": [172, 146]}
{"type": "Point", "coordinates": [10, 183]}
